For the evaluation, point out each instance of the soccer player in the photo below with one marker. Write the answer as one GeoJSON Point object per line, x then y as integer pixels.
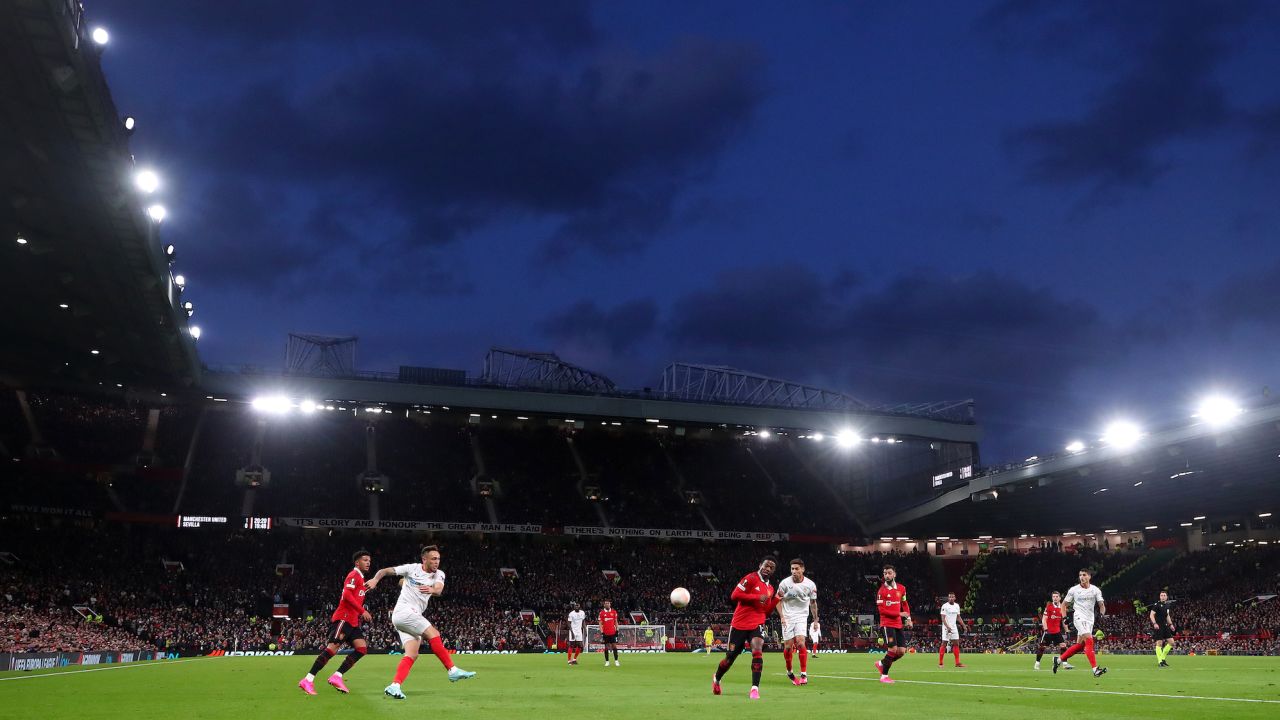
{"type": "Point", "coordinates": [891, 602]}
{"type": "Point", "coordinates": [345, 628]}
{"type": "Point", "coordinates": [709, 638]}
{"type": "Point", "coordinates": [797, 596]}
{"type": "Point", "coordinates": [1051, 631]}
{"type": "Point", "coordinates": [1162, 628]}
{"type": "Point", "coordinates": [608, 619]}
{"type": "Point", "coordinates": [1081, 599]}
{"type": "Point", "coordinates": [815, 634]}
{"type": "Point", "coordinates": [755, 600]}
{"type": "Point", "coordinates": [577, 628]}
{"type": "Point", "coordinates": [951, 622]}
{"type": "Point", "coordinates": [421, 582]}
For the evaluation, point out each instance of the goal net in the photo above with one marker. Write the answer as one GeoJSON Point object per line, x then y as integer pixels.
{"type": "Point", "coordinates": [642, 638]}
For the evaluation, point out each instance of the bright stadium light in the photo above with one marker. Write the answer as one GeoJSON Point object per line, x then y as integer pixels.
{"type": "Point", "coordinates": [157, 212]}
{"type": "Point", "coordinates": [1217, 410]}
{"type": "Point", "coordinates": [170, 252]}
{"type": "Point", "coordinates": [130, 124]}
{"type": "Point", "coordinates": [846, 438]}
{"type": "Point", "coordinates": [100, 36]}
{"type": "Point", "coordinates": [147, 181]}
{"type": "Point", "coordinates": [817, 437]}
{"type": "Point", "coordinates": [189, 307]}
{"type": "Point", "coordinates": [1151, 527]}
{"type": "Point", "coordinates": [1122, 434]}
{"type": "Point", "coordinates": [22, 240]}
{"type": "Point", "coordinates": [271, 404]}
{"type": "Point", "coordinates": [180, 281]}
{"type": "Point", "coordinates": [1075, 446]}
{"type": "Point", "coordinates": [195, 332]}
{"type": "Point", "coordinates": [307, 406]}
{"type": "Point", "coordinates": [765, 434]}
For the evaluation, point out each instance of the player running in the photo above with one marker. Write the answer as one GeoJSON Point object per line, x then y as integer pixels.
{"type": "Point", "coordinates": [608, 619]}
{"type": "Point", "coordinates": [815, 634]}
{"type": "Point", "coordinates": [797, 596]}
{"type": "Point", "coordinates": [891, 602]}
{"type": "Point", "coordinates": [755, 599]}
{"type": "Point", "coordinates": [951, 623]}
{"type": "Point", "coordinates": [1162, 628]}
{"type": "Point", "coordinates": [577, 630]}
{"type": "Point", "coordinates": [421, 582]}
{"type": "Point", "coordinates": [1051, 631]}
{"type": "Point", "coordinates": [345, 628]}
{"type": "Point", "coordinates": [1081, 599]}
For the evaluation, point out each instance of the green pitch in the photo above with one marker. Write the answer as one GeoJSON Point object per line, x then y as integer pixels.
{"type": "Point", "coordinates": [650, 686]}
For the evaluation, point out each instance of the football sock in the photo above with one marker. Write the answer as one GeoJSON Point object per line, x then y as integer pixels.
{"type": "Point", "coordinates": [955, 652]}
{"type": "Point", "coordinates": [942, 652]}
{"type": "Point", "coordinates": [725, 664]}
{"type": "Point", "coordinates": [437, 647]}
{"type": "Point", "coordinates": [402, 670]}
{"type": "Point", "coordinates": [887, 663]}
{"type": "Point", "coordinates": [804, 660]}
{"type": "Point", "coordinates": [1039, 654]}
{"type": "Point", "coordinates": [787, 655]}
{"type": "Point", "coordinates": [1088, 652]}
{"type": "Point", "coordinates": [1071, 651]}
{"type": "Point", "coordinates": [321, 659]}
{"type": "Point", "coordinates": [352, 659]}
{"type": "Point", "coordinates": [757, 667]}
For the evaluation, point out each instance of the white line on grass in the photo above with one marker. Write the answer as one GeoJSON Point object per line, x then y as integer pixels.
{"type": "Point", "coordinates": [1064, 690]}
{"type": "Point", "coordinates": [123, 666]}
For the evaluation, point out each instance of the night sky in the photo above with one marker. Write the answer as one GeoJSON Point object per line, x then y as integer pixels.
{"type": "Point", "coordinates": [1067, 211]}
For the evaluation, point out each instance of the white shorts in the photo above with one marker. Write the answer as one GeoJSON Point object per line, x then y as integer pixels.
{"type": "Point", "coordinates": [411, 625]}
{"type": "Point", "coordinates": [1083, 626]}
{"type": "Point", "coordinates": [794, 627]}
{"type": "Point", "coordinates": [575, 636]}
{"type": "Point", "coordinates": [950, 633]}
{"type": "Point", "coordinates": [815, 638]}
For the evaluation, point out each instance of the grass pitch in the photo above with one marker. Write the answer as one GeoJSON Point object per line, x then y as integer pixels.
{"type": "Point", "coordinates": [650, 686]}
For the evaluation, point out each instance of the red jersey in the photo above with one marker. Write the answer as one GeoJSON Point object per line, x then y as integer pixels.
{"type": "Point", "coordinates": [608, 622]}
{"type": "Point", "coordinates": [1053, 618]}
{"type": "Point", "coordinates": [751, 612]}
{"type": "Point", "coordinates": [892, 604]}
{"type": "Point", "coordinates": [351, 606]}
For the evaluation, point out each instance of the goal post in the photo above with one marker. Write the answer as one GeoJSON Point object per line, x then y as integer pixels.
{"type": "Point", "coordinates": [631, 638]}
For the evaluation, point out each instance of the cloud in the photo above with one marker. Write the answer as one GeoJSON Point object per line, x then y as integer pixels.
{"type": "Point", "coordinates": [1165, 89]}
{"type": "Point", "coordinates": [614, 331]}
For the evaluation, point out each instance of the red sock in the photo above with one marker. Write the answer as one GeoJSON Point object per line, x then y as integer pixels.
{"type": "Point", "coordinates": [955, 651]}
{"type": "Point", "coordinates": [437, 647]}
{"type": "Point", "coordinates": [402, 670]}
{"type": "Point", "coordinates": [942, 652]}
{"type": "Point", "coordinates": [804, 659]}
{"type": "Point", "coordinates": [1088, 652]}
{"type": "Point", "coordinates": [1071, 651]}
{"type": "Point", "coordinates": [787, 654]}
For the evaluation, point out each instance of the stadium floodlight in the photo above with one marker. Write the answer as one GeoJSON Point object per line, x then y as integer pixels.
{"type": "Point", "coordinates": [129, 124]}
{"type": "Point", "coordinates": [1069, 533]}
{"type": "Point", "coordinates": [652, 420]}
{"type": "Point", "coordinates": [271, 404]}
{"type": "Point", "coordinates": [180, 281]}
{"type": "Point", "coordinates": [765, 434]}
{"type": "Point", "coordinates": [1122, 434]}
{"type": "Point", "coordinates": [817, 437]}
{"type": "Point", "coordinates": [64, 306]}
{"type": "Point", "coordinates": [944, 537]}
{"type": "Point", "coordinates": [1184, 524]}
{"type": "Point", "coordinates": [95, 352]}
{"type": "Point", "coordinates": [147, 181]}
{"type": "Point", "coordinates": [157, 212]}
{"type": "Point", "coordinates": [1217, 410]}
{"type": "Point", "coordinates": [1198, 517]}
{"type": "Point", "coordinates": [1264, 515]}
{"type": "Point", "coordinates": [189, 307]}
{"type": "Point", "coordinates": [100, 36]}
{"type": "Point", "coordinates": [195, 332]}
{"type": "Point", "coordinates": [22, 240]}
{"type": "Point", "coordinates": [1075, 446]}
{"type": "Point", "coordinates": [1151, 527]}
{"type": "Point", "coordinates": [307, 406]}
{"type": "Point", "coordinates": [847, 438]}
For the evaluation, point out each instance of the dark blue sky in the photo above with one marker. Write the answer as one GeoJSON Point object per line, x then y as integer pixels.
{"type": "Point", "coordinates": [1064, 210]}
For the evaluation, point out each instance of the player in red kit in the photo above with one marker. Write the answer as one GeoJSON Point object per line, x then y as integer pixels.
{"type": "Point", "coordinates": [755, 598]}
{"type": "Point", "coordinates": [891, 601]}
{"type": "Point", "coordinates": [345, 627]}
{"type": "Point", "coordinates": [609, 629]}
{"type": "Point", "coordinates": [1051, 625]}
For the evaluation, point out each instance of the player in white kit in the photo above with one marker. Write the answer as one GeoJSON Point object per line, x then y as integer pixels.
{"type": "Point", "coordinates": [798, 595]}
{"type": "Point", "coordinates": [1082, 599]}
{"type": "Point", "coordinates": [951, 622]}
{"type": "Point", "coordinates": [421, 582]}
{"type": "Point", "coordinates": [815, 634]}
{"type": "Point", "coordinates": [577, 630]}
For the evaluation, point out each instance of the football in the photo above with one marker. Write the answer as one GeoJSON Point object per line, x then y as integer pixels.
{"type": "Point", "coordinates": [679, 597]}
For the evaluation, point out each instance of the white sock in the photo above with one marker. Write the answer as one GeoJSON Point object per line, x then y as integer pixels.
{"type": "Point", "coordinates": [310, 677]}
{"type": "Point", "coordinates": [338, 674]}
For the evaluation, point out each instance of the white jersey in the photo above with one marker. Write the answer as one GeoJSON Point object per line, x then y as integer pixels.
{"type": "Point", "coordinates": [950, 615]}
{"type": "Point", "coordinates": [815, 630]}
{"type": "Point", "coordinates": [576, 619]}
{"type": "Point", "coordinates": [796, 597]}
{"type": "Point", "coordinates": [1082, 603]}
{"type": "Point", "coordinates": [414, 578]}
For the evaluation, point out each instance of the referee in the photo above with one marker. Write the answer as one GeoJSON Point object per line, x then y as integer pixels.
{"type": "Point", "coordinates": [1162, 628]}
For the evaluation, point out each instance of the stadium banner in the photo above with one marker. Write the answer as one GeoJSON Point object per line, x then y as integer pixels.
{"type": "Point", "coordinates": [414, 525]}
{"type": "Point", "coordinates": [672, 533]}
{"type": "Point", "coordinates": [47, 660]}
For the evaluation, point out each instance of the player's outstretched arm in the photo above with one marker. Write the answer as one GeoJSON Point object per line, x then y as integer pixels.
{"type": "Point", "coordinates": [372, 582]}
{"type": "Point", "coordinates": [437, 589]}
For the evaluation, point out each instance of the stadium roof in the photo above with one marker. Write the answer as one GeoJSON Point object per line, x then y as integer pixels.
{"type": "Point", "coordinates": [81, 266]}
{"type": "Point", "coordinates": [1169, 478]}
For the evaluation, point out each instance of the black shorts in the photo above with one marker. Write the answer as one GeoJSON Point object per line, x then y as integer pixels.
{"type": "Point", "coordinates": [1162, 633]}
{"type": "Point", "coordinates": [610, 639]}
{"type": "Point", "coordinates": [893, 637]}
{"type": "Point", "coordinates": [341, 631]}
{"type": "Point", "coordinates": [740, 640]}
{"type": "Point", "coordinates": [1048, 638]}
